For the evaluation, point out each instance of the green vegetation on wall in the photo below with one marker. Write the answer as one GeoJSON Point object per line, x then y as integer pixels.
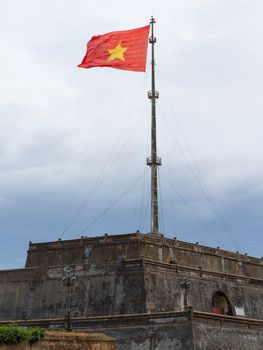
{"type": "Point", "coordinates": [11, 334]}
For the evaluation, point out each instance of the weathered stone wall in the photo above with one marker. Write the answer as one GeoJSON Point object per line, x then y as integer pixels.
{"type": "Point", "coordinates": [224, 334]}
{"type": "Point", "coordinates": [125, 274]}
{"type": "Point", "coordinates": [182, 331]}
{"type": "Point", "coordinates": [100, 289]}
{"type": "Point", "coordinates": [16, 292]}
{"type": "Point", "coordinates": [197, 256]}
{"type": "Point", "coordinates": [157, 337]}
{"type": "Point", "coordinates": [164, 292]}
{"type": "Point", "coordinates": [165, 331]}
{"type": "Point", "coordinates": [186, 330]}
{"type": "Point", "coordinates": [137, 246]}
{"type": "Point", "coordinates": [83, 251]}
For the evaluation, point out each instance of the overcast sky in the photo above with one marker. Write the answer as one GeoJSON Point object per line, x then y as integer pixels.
{"type": "Point", "coordinates": [73, 142]}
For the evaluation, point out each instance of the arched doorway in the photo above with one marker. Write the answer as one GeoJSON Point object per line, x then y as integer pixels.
{"type": "Point", "coordinates": [221, 304]}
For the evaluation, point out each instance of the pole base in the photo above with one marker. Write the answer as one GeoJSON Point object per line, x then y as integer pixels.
{"type": "Point", "coordinates": [155, 234]}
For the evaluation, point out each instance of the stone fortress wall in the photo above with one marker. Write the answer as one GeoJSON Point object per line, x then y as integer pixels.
{"type": "Point", "coordinates": [130, 288]}
{"type": "Point", "coordinates": [133, 273]}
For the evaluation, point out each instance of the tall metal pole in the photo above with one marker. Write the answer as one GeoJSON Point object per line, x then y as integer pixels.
{"type": "Point", "coordinates": [153, 161]}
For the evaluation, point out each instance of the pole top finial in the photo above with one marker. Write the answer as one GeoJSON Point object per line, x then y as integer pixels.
{"type": "Point", "coordinates": [152, 20]}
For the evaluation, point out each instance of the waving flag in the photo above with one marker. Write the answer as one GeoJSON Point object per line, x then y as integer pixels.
{"type": "Point", "coordinates": [126, 49]}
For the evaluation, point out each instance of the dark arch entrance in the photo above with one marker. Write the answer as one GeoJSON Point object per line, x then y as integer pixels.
{"type": "Point", "coordinates": [221, 304]}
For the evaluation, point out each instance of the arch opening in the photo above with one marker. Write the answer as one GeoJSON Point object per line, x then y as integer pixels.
{"type": "Point", "coordinates": [221, 304]}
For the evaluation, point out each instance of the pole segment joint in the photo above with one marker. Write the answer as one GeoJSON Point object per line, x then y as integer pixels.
{"type": "Point", "coordinates": [151, 95]}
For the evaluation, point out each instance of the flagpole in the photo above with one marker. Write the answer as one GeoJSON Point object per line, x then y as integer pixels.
{"type": "Point", "coordinates": [153, 161]}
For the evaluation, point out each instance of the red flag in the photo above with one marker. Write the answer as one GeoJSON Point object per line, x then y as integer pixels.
{"type": "Point", "coordinates": [126, 49]}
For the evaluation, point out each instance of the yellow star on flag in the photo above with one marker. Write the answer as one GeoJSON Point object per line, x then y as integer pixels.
{"type": "Point", "coordinates": [117, 53]}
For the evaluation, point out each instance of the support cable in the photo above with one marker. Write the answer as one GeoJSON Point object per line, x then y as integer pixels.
{"type": "Point", "coordinates": [161, 203]}
{"type": "Point", "coordinates": [198, 175]}
{"type": "Point", "coordinates": [108, 165]}
{"type": "Point", "coordinates": [113, 204]}
{"type": "Point", "coordinates": [194, 212]}
{"type": "Point", "coordinates": [140, 190]}
{"type": "Point", "coordinates": [147, 207]}
{"type": "Point", "coordinates": [143, 200]}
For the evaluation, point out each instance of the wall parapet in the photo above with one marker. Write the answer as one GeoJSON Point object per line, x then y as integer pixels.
{"type": "Point", "coordinates": [201, 272]}
{"type": "Point", "coordinates": [195, 315]}
{"type": "Point", "coordinates": [249, 323]}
